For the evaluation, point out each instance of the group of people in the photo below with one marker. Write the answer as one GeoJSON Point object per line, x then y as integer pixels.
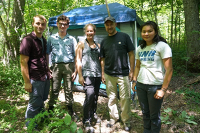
{"type": "Point", "coordinates": [111, 62]}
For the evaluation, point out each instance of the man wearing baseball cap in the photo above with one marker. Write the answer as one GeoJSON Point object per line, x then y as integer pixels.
{"type": "Point", "coordinates": [114, 53]}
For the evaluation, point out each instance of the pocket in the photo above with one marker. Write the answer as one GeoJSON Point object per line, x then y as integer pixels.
{"type": "Point", "coordinates": [120, 46]}
{"type": "Point", "coordinates": [71, 66]}
{"type": "Point", "coordinates": [36, 87]}
{"type": "Point", "coordinates": [53, 67]}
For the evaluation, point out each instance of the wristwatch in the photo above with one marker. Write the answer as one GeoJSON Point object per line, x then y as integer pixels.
{"type": "Point", "coordinates": [133, 81]}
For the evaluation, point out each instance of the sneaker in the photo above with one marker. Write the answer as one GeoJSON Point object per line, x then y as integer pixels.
{"type": "Point", "coordinates": [96, 118]}
{"type": "Point", "coordinates": [88, 127]}
{"type": "Point", "coordinates": [75, 117]}
{"type": "Point", "coordinates": [127, 127]}
{"type": "Point", "coordinates": [110, 123]}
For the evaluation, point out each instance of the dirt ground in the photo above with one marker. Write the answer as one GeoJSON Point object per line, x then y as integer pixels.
{"type": "Point", "coordinates": [171, 100]}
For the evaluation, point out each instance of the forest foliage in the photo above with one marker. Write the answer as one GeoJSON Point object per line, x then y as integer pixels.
{"type": "Point", "coordinates": [16, 19]}
{"type": "Point", "coordinates": [15, 23]}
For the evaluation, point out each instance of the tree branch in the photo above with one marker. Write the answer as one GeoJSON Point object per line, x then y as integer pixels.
{"type": "Point", "coordinates": [107, 8]}
{"type": "Point", "coordinates": [4, 7]}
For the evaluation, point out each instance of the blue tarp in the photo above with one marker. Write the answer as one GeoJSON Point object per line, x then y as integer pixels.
{"type": "Point", "coordinates": [96, 15]}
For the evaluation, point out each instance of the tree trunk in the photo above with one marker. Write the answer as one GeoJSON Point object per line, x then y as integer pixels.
{"type": "Point", "coordinates": [154, 11]}
{"type": "Point", "coordinates": [12, 29]}
{"type": "Point", "coordinates": [6, 39]}
{"type": "Point", "coordinates": [175, 27]}
{"type": "Point", "coordinates": [16, 25]}
{"type": "Point", "coordinates": [192, 29]}
{"type": "Point", "coordinates": [172, 19]}
{"type": "Point", "coordinates": [179, 30]}
{"type": "Point", "coordinates": [141, 7]}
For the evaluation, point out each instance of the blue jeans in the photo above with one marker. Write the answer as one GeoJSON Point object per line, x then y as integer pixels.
{"type": "Point", "coordinates": [40, 91]}
{"type": "Point", "coordinates": [92, 85]}
{"type": "Point", "coordinates": [150, 107]}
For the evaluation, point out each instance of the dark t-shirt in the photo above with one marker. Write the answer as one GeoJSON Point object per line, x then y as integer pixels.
{"type": "Point", "coordinates": [115, 51]}
{"type": "Point", "coordinates": [32, 46]}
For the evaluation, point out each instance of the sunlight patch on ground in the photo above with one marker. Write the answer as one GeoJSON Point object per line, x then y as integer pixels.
{"type": "Point", "coordinates": [25, 96]}
{"type": "Point", "coordinates": [78, 97]}
{"type": "Point", "coordinates": [138, 111]}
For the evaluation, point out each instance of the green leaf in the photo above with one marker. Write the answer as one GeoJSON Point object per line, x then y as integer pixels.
{"type": "Point", "coordinates": [164, 118]}
{"type": "Point", "coordinates": [190, 122]}
{"type": "Point", "coordinates": [168, 122]}
{"type": "Point", "coordinates": [79, 130]}
{"type": "Point", "coordinates": [168, 110]}
{"type": "Point", "coordinates": [184, 114]}
{"type": "Point", "coordinates": [67, 119]}
{"type": "Point", "coordinates": [73, 127]}
{"type": "Point", "coordinates": [66, 131]}
{"type": "Point", "coordinates": [174, 112]}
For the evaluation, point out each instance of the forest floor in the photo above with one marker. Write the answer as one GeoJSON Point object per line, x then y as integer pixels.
{"type": "Point", "coordinates": [172, 100]}
{"type": "Point", "coordinates": [173, 123]}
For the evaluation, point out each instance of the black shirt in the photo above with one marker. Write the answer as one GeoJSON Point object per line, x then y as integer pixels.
{"type": "Point", "coordinates": [115, 51]}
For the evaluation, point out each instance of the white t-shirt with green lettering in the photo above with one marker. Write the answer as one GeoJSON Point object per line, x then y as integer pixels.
{"type": "Point", "coordinates": [152, 68]}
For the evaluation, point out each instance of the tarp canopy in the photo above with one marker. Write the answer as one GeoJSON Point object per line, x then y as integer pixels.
{"type": "Point", "coordinates": [79, 17]}
{"type": "Point", "coordinates": [96, 15]}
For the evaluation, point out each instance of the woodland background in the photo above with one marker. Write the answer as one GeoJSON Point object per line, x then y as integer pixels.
{"type": "Point", "coordinates": [179, 23]}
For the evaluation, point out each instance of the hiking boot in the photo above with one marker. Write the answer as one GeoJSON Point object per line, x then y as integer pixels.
{"type": "Point", "coordinates": [96, 118]}
{"type": "Point", "coordinates": [88, 127]}
{"type": "Point", "coordinates": [127, 127]}
{"type": "Point", "coordinates": [110, 123]}
{"type": "Point", "coordinates": [75, 117]}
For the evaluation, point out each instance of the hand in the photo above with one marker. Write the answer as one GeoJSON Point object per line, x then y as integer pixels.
{"type": "Point", "coordinates": [81, 80]}
{"type": "Point", "coordinates": [50, 74]}
{"type": "Point", "coordinates": [133, 86]}
{"type": "Point", "coordinates": [159, 94]}
{"type": "Point", "coordinates": [103, 79]}
{"type": "Point", "coordinates": [130, 76]}
{"type": "Point", "coordinates": [74, 76]}
{"type": "Point", "coordinates": [28, 87]}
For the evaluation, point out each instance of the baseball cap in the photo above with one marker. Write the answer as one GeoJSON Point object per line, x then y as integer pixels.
{"type": "Point", "coordinates": [110, 18]}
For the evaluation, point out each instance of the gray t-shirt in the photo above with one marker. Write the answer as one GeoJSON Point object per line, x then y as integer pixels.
{"type": "Point", "coordinates": [90, 61]}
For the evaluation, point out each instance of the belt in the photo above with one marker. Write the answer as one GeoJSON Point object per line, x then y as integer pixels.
{"type": "Point", "coordinates": [63, 62]}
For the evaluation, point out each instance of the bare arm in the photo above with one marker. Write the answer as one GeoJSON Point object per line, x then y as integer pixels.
{"type": "Point", "coordinates": [75, 71]}
{"type": "Point", "coordinates": [25, 72]}
{"type": "Point", "coordinates": [102, 70]}
{"type": "Point", "coordinates": [168, 75]}
{"type": "Point", "coordinates": [79, 51]}
{"type": "Point", "coordinates": [136, 72]}
{"type": "Point", "coordinates": [47, 58]}
{"type": "Point", "coordinates": [75, 66]}
{"type": "Point", "coordinates": [132, 64]}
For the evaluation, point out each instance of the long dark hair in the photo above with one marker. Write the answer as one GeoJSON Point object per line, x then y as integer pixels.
{"type": "Point", "coordinates": [156, 38]}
